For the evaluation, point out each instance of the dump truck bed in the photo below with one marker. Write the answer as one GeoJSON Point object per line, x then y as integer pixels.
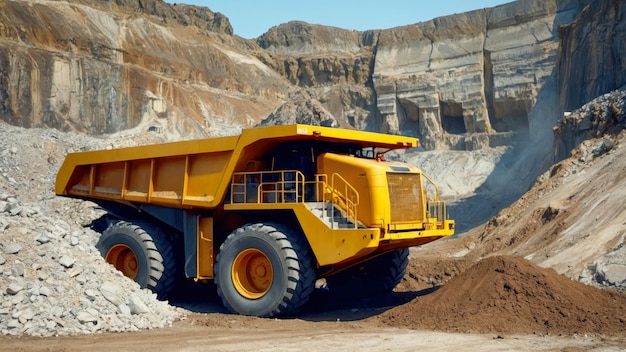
{"type": "Point", "coordinates": [190, 173]}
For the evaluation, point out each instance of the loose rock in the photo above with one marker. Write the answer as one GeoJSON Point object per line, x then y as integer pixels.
{"type": "Point", "coordinates": [14, 288]}
{"type": "Point", "coordinates": [112, 293]}
{"type": "Point", "coordinates": [12, 248]}
{"type": "Point", "coordinates": [66, 261]}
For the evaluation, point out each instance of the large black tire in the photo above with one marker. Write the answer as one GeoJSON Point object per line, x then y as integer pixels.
{"type": "Point", "coordinates": [264, 270]}
{"type": "Point", "coordinates": [376, 276]}
{"type": "Point", "coordinates": [142, 252]}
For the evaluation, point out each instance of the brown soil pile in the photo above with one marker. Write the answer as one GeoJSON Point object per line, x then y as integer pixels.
{"type": "Point", "coordinates": [428, 272]}
{"type": "Point", "coordinates": [506, 294]}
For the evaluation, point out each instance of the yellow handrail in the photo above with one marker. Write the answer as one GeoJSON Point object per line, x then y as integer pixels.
{"type": "Point", "coordinates": [283, 186]}
{"type": "Point", "coordinates": [290, 186]}
{"type": "Point", "coordinates": [349, 198]}
{"type": "Point", "coordinates": [436, 207]}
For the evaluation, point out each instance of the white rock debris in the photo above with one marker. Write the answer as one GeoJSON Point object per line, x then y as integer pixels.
{"type": "Point", "coordinates": [53, 281]}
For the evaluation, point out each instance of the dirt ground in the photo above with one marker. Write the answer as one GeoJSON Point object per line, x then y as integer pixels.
{"type": "Point", "coordinates": [499, 303]}
{"type": "Point", "coordinates": [248, 334]}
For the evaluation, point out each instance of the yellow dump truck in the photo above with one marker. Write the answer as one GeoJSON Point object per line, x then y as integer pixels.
{"type": "Point", "coordinates": [264, 214]}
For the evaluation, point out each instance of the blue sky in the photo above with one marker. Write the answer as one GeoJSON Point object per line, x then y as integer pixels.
{"type": "Point", "coordinates": [251, 18]}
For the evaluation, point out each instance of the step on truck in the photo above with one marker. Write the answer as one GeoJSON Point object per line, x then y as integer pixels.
{"type": "Point", "coordinates": [264, 215]}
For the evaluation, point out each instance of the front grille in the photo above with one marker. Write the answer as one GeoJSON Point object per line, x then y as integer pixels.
{"type": "Point", "coordinates": [405, 195]}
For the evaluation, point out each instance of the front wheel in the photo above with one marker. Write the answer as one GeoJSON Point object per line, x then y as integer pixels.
{"type": "Point", "coordinates": [264, 270]}
{"type": "Point", "coordinates": [376, 276]}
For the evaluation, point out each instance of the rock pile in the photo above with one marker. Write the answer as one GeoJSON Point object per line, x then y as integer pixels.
{"type": "Point", "coordinates": [53, 281]}
{"type": "Point", "coordinates": [605, 115]}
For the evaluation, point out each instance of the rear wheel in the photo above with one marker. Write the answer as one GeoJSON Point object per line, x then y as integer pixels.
{"type": "Point", "coordinates": [264, 270]}
{"type": "Point", "coordinates": [142, 253]}
{"type": "Point", "coordinates": [376, 276]}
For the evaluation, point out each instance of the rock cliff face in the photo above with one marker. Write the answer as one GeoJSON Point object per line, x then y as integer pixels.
{"type": "Point", "coordinates": [465, 81]}
{"type": "Point", "coordinates": [101, 67]}
{"type": "Point", "coordinates": [186, 15]}
{"type": "Point", "coordinates": [471, 80]}
{"type": "Point", "coordinates": [592, 58]}
{"type": "Point", "coordinates": [484, 78]}
{"type": "Point", "coordinates": [334, 65]}
{"type": "Point", "coordinates": [591, 63]}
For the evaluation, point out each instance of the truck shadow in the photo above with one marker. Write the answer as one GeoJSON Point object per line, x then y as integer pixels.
{"type": "Point", "coordinates": [326, 306]}
{"type": "Point", "coordinates": [322, 306]}
{"type": "Point", "coordinates": [197, 298]}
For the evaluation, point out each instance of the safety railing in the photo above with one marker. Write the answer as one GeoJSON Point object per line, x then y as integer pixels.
{"type": "Point", "coordinates": [285, 186]}
{"type": "Point", "coordinates": [345, 197]}
{"type": "Point", "coordinates": [436, 207]}
{"type": "Point", "coordinates": [290, 186]}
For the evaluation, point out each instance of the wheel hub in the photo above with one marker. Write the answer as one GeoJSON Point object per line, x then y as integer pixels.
{"type": "Point", "coordinates": [123, 259]}
{"type": "Point", "coordinates": [252, 273]}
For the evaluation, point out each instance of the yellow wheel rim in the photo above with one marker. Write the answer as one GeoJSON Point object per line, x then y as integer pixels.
{"type": "Point", "coordinates": [252, 273]}
{"type": "Point", "coordinates": [123, 259]}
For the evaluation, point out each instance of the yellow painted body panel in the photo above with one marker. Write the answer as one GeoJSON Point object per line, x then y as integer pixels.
{"type": "Point", "coordinates": [370, 178]}
{"type": "Point", "coordinates": [181, 174]}
{"type": "Point", "coordinates": [205, 255]}
{"type": "Point", "coordinates": [330, 246]}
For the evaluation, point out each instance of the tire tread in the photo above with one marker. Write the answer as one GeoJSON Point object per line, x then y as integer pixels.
{"type": "Point", "coordinates": [299, 264]}
{"type": "Point", "coordinates": [161, 262]}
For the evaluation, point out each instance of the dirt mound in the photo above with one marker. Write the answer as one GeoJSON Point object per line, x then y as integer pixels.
{"type": "Point", "coordinates": [506, 294]}
{"type": "Point", "coordinates": [426, 272]}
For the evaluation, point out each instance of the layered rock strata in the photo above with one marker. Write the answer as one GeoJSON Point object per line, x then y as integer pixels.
{"type": "Point", "coordinates": [103, 67]}
{"type": "Point", "coordinates": [467, 81]}
{"type": "Point", "coordinates": [475, 79]}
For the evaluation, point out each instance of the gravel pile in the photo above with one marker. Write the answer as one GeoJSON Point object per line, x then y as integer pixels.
{"type": "Point", "coordinates": [53, 280]}
{"type": "Point", "coordinates": [605, 115]}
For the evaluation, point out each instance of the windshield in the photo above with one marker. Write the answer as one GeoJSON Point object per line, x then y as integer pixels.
{"type": "Point", "coordinates": [372, 153]}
